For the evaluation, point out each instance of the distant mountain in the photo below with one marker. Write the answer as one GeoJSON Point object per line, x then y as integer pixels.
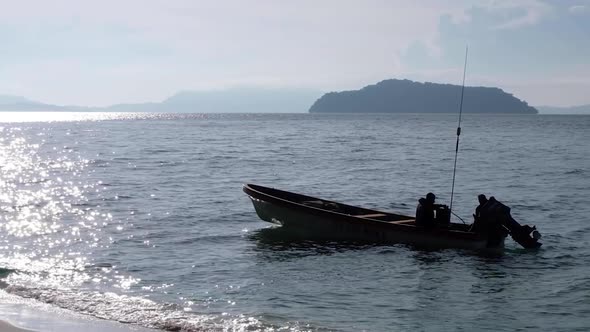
{"type": "Point", "coordinates": [12, 100]}
{"type": "Point", "coordinates": [10, 103]}
{"type": "Point", "coordinates": [405, 96]}
{"type": "Point", "coordinates": [243, 100]}
{"type": "Point", "coordinates": [235, 100]}
{"type": "Point", "coordinates": [582, 109]}
{"type": "Point", "coordinates": [17, 103]}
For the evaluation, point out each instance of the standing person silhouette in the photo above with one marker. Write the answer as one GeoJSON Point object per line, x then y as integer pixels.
{"type": "Point", "coordinates": [482, 201]}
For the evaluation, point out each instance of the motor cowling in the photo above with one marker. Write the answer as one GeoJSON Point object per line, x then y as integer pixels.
{"type": "Point", "coordinates": [494, 213]}
{"type": "Point", "coordinates": [442, 215]}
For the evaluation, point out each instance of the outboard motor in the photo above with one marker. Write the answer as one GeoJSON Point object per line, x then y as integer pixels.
{"type": "Point", "coordinates": [443, 215]}
{"type": "Point", "coordinates": [494, 212]}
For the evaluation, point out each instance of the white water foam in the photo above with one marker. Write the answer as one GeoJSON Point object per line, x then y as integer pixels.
{"type": "Point", "coordinates": [143, 312]}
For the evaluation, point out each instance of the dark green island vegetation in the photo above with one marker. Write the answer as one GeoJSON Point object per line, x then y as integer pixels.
{"type": "Point", "coordinates": [405, 96]}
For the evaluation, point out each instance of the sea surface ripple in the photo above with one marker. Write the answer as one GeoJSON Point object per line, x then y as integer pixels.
{"type": "Point", "coordinates": [140, 218]}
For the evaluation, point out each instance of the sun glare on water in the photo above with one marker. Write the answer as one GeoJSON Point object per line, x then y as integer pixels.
{"type": "Point", "coordinates": [17, 117]}
{"type": "Point", "coordinates": [47, 226]}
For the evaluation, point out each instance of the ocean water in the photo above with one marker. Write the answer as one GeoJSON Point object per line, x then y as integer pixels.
{"type": "Point", "coordinates": [141, 218]}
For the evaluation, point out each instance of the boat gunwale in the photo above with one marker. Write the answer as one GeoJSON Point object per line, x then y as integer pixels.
{"type": "Point", "coordinates": [409, 228]}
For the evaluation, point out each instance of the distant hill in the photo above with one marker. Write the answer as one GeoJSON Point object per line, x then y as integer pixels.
{"type": "Point", "coordinates": [235, 100]}
{"type": "Point", "coordinates": [259, 100]}
{"type": "Point", "coordinates": [12, 100]}
{"type": "Point", "coordinates": [10, 103]}
{"type": "Point", "coordinates": [18, 103]}
{"type": "Point", "coordinates": [582, 109]}
{"type": "Point", "coordinates": [405, 96]}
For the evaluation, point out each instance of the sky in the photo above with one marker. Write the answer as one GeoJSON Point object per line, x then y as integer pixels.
{"type": "Point", "coordinates": [98, 53]}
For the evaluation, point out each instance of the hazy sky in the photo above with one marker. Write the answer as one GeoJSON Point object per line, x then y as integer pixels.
{"type": "Point", "coordinates": [105, 52]}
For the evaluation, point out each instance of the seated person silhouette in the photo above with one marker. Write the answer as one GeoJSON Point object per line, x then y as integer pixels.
{"type": "Point", "coordinates": [425, 211]}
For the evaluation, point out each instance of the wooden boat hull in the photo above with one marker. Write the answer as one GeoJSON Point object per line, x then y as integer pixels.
{"type": "Point", "coordinates": [295, 213]}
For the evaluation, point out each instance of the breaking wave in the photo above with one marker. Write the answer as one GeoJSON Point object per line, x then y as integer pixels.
{"type": "Point", "coordinates": [144, 312]}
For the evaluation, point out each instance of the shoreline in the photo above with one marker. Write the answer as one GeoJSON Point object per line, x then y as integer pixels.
{"type": "Point", "coordinates": [19, 314]}
{"type": "Point", "coordinates": [5, 326]}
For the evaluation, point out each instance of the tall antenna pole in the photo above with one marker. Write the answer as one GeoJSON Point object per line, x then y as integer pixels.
{"type": "Point", "coordinates": [458, 131]}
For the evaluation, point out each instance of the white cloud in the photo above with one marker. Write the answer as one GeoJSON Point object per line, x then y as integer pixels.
{"type": "Point", "coordinates": [330, 44]}
{"type": "Point", "coordinates": [528, 12]}
{"type": "Point", "coordinates": [96, 52]}
{"type": "Point", "coordinates": [579, 9]}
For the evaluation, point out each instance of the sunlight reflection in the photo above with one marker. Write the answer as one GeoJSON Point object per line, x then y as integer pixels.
{"type": "Point", "coordinates": [20, 117]}
{"type": "Point", "coordinates": [47, 228]}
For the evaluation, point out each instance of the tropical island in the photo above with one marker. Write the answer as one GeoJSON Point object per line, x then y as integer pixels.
{"type": "Point", "coordinates": [405, 96]}
{"type": "Point", "coordinates": [389, 96]}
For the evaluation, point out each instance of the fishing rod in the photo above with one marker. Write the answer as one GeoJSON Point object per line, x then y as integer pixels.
{"type": "Point", "coordinates": [459, 217]}
{"type": "Point", "coordinates": [458, 132]}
